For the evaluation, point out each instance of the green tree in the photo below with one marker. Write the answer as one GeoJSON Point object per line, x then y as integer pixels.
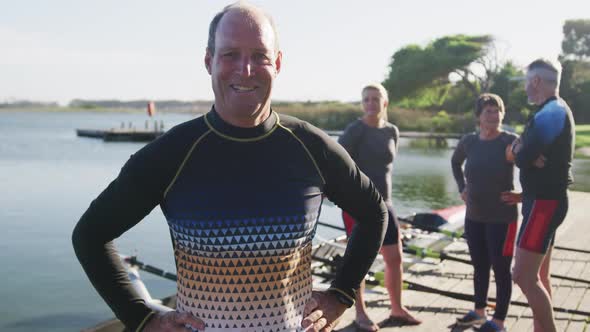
{"type": "Point", "coordinates": [576, 39]}
{"type": "Point", "coordinates": [575, 77]}
{"type": "Point", "coordinates": [414, 69]}
{"type": "Point", "coordinates": [512, 92]}
{"type": "Point", "coordinates": [575, 88]}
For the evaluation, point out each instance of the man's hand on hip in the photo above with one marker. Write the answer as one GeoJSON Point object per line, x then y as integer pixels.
{"type": "Point", "coordinates": [322, 312]}
{"type": "Point", "coordinates": [175, 322]}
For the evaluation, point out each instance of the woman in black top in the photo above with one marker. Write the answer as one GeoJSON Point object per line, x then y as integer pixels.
{"type": "Point", "coordinates": [486, 185]}
{"type": "Point", "coordinates": [372, 143]}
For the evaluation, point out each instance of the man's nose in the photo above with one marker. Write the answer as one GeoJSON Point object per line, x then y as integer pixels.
{"type": "Point", "coordinates": [245, 67]}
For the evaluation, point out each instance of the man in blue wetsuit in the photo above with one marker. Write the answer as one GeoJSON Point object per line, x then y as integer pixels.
{"type": "Point", "coordinates": [544, 155]}
{"type": "Point", "coordinates": [241, 189]}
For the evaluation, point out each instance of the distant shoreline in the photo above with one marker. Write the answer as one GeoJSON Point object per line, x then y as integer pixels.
{"type": "Point", "coordinates": [94, 110]}
{"type": "Point", "coordinates": [318, 114]}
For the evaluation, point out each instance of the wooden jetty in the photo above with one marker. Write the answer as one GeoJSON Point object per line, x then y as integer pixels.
{"type": "Point", "coordinates": [121, 135]}
{"type": "Point", "coordinates": [439, 313]}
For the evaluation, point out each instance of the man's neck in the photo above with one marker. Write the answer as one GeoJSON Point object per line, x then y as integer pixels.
{"type": "Point", "coordinates": [246, 121]}
{"type": "Point", "coordinates": [544, 96]}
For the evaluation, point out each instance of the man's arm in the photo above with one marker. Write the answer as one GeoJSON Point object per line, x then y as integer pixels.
{"type": "Point", "coordinates": [125, 202]}
{"type": "Point", "coordinates": [352, 191]}
{"type": "Point", "coordinates": [542, 131]}
{"type": "Point", "coordinates": [459, 156]}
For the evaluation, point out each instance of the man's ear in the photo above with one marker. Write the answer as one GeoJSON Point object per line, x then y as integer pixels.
{"type": "Point", "coordinates": [278, 61]}
{"type": "Point", "coordinates": [208, 59]}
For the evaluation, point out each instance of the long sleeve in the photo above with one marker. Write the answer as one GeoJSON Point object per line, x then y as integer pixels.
{"type": "Point", "coordinates": [543, 129]}
{"type": "Point", "coordinates": [352, 191]}
{"type": "Point", "coordinates": [125, 202]}
{"type": "Point", "coordinates": [459, 156]}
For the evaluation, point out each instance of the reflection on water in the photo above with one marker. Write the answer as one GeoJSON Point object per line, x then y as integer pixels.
{"type": "Point", "coordinates": [430, 189]}
{"type": "Point", "coordinates": [423, 180]}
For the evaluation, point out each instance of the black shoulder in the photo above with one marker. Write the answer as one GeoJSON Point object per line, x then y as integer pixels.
{"type": "Point", "coordinates": [469, 137]}
{"type": "Point", "coordinates": [394, 130]}
{"type": "Point", "coordinates": [158, 161]}
{"type": "Point", "coordinates": [356, 125]}
{"type": "Point", "coordinates": [305, 131]}
{"type": "Point", "coordinates": [508, 137]}
{"type": "Point", "coordinates": [177, 140]}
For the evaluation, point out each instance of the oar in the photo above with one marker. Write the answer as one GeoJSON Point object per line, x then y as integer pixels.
{"type": "Point", "coordinates": [431, 228]}
{"type": "Point", "coordinates": [415, 250]}
{"type": "Point", "coordinates": [425, 252]}
{"type": "Point", "coordinates": [133, 261]}
{"type": "Point", "coordinates": [572, 249]}
{"type": "Point", "coordinates": [378, 280]}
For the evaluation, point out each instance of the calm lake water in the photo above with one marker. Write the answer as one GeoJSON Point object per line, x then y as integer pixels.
{"type": "Point", "coordinates": [48, 177]}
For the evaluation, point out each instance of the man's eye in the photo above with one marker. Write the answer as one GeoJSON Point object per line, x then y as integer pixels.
{"type": "Point", "coordinates": [261, 58]}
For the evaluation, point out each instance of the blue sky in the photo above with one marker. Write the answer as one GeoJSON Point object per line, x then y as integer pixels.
{"type": "Point", "coordinates": [129, 49]}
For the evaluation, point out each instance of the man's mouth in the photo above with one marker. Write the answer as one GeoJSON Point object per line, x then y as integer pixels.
{"type": "Point", "coordinates": [242, 88]}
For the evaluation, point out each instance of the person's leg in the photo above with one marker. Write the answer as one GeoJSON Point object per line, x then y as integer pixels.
{"type": "Point", "coordinates": [363, 321]}
{"type": "Point", "coordinates": [392, 256]}
{"type": "Point", "coordinates": [545, 273]}
{"type": "Point", "coordinates": [362, 318]}
{"type": "Point", "coordinates": [526, 276]}
{"type": "Point", "coordinates": [500, 240]}
{"type": "Point", "coordinates": [476, 241]}
{"type": "Point", "coordinates": [540, 221]}
{"type": "Point", "coordinates": [544, 276]}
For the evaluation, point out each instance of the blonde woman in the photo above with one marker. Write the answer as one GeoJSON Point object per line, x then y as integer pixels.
{"type": "Point", "coordinates": [372, 143]}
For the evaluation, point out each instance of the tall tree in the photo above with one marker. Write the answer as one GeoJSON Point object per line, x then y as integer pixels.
{"type": "Point", "coordinates": [414, 69]}
{"type": "Point", "coordinates": [576, 40]}
{"type": "Point", "coordinates": [575, 60]}
{"type": "Point", "coordinates": [512, 93]}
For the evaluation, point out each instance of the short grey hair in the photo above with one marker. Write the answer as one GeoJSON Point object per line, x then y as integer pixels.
{"type": "Point", "coordinates": [243, 7]}
{"type": "Point", "coordinates": [547, 70]}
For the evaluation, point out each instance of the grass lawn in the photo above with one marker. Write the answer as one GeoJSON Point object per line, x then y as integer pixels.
{"type": "Point", "coordinates": [582, 138]}
{"type": "Point", "coordinates": [582, 135]}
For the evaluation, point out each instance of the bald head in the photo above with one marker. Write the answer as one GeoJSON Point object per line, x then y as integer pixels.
{"type": "Point", "coordinates": [252, 15]}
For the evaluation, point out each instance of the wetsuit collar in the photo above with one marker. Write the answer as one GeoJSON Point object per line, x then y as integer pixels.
{"type": "Point", "coordinates": [219, 126]}
{"type": "Point", "coordinates": [550, 99]}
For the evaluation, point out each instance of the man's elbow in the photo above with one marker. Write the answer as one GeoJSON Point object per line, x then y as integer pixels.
{"type": "Point", "coordinates": [78, 240]}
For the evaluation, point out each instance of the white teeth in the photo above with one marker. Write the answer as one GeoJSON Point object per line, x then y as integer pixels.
{"type": "Point", "coordinates": [242, 88]}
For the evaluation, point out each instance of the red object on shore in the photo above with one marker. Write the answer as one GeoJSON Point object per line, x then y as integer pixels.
{"type": "Point", "coordinates": [151, 108]}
